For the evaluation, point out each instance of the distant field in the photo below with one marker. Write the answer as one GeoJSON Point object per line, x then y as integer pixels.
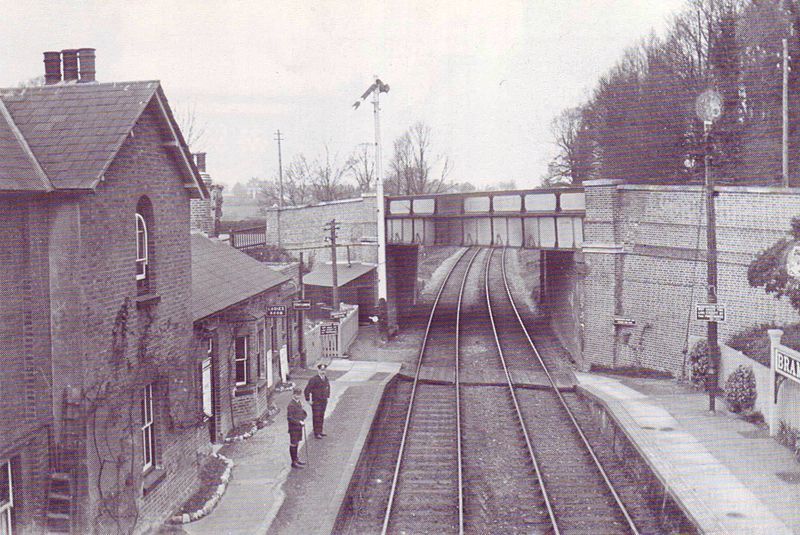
{"type": "Point", "coordinates": [237, 212]}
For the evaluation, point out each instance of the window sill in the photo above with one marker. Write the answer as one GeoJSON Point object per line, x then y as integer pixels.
{"type": "Point", "coordinates": [152, 479]}
{"type": "Point", "coordinates": [250, 388]}
{"type": "Point", "coordinates": [147, 299]}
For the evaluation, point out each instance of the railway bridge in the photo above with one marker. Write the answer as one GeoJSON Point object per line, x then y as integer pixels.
{"type": "Point", "coordinates": [544, 219]}
{"type": "Point", "coordinates": [535, 219]}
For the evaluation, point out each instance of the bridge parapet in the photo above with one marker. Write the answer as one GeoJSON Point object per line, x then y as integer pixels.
{"type": "Point", "coordinates": [549, 218]}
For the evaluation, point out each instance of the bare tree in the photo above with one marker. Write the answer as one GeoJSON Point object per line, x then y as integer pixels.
{"type": "Point", "coordinates": [363, 168]}
{"type": "Point", "coordinates": [296, 186]}
{"type": "Point", "coordinates": [192, 129]}
{"type": "Point", "coordinates": [565, 128]}
{"type": "Point", "coordinates": [411, 165]}
{"type": "Point", "coordinates": [327, 178]}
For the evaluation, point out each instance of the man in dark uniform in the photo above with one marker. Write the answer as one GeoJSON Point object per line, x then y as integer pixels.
{"type": "Point", "coordinates": [296, 415]}
{"type": "Point", "coordinates": [318, 390]}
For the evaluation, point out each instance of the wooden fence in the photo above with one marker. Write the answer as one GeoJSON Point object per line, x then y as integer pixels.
{"type": "Point", "coordinates": [331, 339]}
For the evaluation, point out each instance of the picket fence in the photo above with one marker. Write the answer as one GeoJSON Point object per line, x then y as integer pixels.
{"type": "Point", "coordinates": [324, 347]}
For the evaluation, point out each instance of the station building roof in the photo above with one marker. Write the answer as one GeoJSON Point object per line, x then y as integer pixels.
{"type": "Point", "coordinates": [345, 273]}
{"type": "Point", "coordinates": [223, 276]}
{"type": "Point", "coordinates": [64, 136]}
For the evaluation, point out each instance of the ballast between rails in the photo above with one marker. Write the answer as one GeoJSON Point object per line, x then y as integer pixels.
{"type": "Point", "coordinates": [552, 382]}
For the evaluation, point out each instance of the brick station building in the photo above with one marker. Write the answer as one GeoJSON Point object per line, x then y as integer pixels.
{"type": "Point", "coordinates": [101, 400]}
{"type": "Point", "coordinates": [242, 352]}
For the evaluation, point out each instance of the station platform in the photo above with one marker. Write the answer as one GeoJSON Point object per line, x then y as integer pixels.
{"type": "Point", "coordinates": [727, 475]}
{"type": "Point", "coordinates": [265, 495]}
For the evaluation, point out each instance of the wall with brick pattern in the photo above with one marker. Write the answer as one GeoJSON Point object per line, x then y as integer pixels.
{"type": "Point", "coordinates": [240, 404]}
{"type": "Point", "coordinates": [645, 254]}
{"type": "Point", "coordinates": [92, 283]}
{"type": "Point", "coordinates": [302, 227]}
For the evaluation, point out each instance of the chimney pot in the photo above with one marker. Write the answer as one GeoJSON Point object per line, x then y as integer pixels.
{"type": "Point", "coordinates": [86, 57]}
{"type": "Point", "coordinates": [52, 67]}
{"type": "Point", "coordinates": [200, 161]}
{"type": "Point", "coordinates": [70, 59]}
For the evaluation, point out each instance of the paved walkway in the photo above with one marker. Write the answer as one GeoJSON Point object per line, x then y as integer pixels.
{"type": "Point", "coordinates": [727, 473]}
{"type": "Point", "coordinates": [266, 494]}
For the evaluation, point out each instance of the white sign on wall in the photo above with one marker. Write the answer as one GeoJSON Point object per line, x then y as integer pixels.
{"type": "Point", "coordinates": [787, 365]}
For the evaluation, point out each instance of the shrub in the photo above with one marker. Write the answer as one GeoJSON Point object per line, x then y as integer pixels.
{"type": "Point", "coordinates": [699, 361]}
{"type": "Point", "coordinates": [740, 389]}
{"type": "Point", "coordinates": [789, 437]}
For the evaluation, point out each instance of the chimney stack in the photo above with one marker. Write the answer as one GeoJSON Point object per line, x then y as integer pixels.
{"type": "Point", "coordinates": [86, 57]}
{"type": "Point", "coordinates": [200, 161]}
{"type": "Point", "coordinates": [52, 67]}
{"type": "Point", "coordinates": [70, 58]}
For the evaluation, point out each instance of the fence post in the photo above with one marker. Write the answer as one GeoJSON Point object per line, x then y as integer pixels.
{"type": "Point", "coordinates": [774, 340]}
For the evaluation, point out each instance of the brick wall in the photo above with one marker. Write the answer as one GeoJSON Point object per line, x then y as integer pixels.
{"type": "Point", "coordinates": [302, 227]}
{"type": "Point", "coordinates": [237, 405]}
{"type": "Point", "coordinates": [92, 288]}
{"type": "Point", "coordinates": [645, 256]}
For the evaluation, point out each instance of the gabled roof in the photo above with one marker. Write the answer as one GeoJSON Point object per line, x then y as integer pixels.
{"type": "Point", "coordinates": [74, 131]}
{"type": "Point", "coordinates": [323, 276]}
{"type": "Point", "coordinates": [19, 171]}
{"type": "Point", "coordinates": [223, 276]}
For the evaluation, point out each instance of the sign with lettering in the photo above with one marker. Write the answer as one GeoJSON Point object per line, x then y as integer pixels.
{"type": "Point", "coordinates": [787, 365]}
{"type": "Point", "coordinates": [710, 312]}
{"type": "Point", "coordinates": [329, 329]}
{"type": "Point", "coordinates": [624, 322]}
{"type": "Point", "coordinates": [276, 311]}
{"type": "Point", "coordinates": [338, 315]}
{"type": "Point", "coordinates": [301, 304]}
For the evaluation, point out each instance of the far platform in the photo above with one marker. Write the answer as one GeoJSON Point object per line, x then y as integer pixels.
{"type": "Point", "coordinates": [728, 476]}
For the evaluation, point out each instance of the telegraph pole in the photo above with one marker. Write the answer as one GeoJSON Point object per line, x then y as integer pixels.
{"type": "Point", "coordinates": [279, 138]}
{"type": "Point", "coordinates": [785, 143]}
{"type": "Point", "coordinates": [332, 227]}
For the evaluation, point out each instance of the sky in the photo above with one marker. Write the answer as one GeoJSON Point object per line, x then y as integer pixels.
{"type": "Point", "coordinates": [486, 77]}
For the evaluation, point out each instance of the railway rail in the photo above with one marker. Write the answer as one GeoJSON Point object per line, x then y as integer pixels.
{"type": "Point", "coordinates": [492, 457]}
{"type": "Point", "coordinates": [584, 497]}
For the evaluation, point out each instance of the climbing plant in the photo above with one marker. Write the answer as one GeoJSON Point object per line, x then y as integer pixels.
{"type": "Point", "coordinates": [768, 270]}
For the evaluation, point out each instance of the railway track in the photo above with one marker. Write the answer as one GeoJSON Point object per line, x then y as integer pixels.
{"type": "Point", "coordinates": [584, 498]}
{"type": "Point", "coordinates": [425, 495]}
{"type": "Point", "coordinates": [486, 455]}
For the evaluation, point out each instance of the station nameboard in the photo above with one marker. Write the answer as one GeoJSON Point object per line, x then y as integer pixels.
{"type": "Point", "coordinates": [787, 365]}
{"type": "Point", "coordinates": [276, 311]}
{"type": "Point", "coordinates": [624, 322]}
{"type": "Point", "coordinates": [301, 304]}
{"type": "Point", "coordinates": [329, 329]}
{"type": "Point", "coordinates": [710, 312]}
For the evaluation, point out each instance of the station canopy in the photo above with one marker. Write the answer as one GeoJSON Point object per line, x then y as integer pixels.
{"type": "Point", "coordinates": [345, 273]}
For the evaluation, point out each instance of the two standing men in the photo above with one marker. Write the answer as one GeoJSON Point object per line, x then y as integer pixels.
{"type": "Point", "coordinates": [317, 391]}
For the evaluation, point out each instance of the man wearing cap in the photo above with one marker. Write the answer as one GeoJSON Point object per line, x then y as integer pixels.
{"type": "Point", "coordinates": [296, 415]}
{"type": "Point", "coordinates": [318, 390]}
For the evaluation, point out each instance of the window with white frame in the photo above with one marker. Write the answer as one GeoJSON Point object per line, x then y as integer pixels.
{"type": "Point", "coordinates": [262, 350]}
{"type": "Point", "coordinates": [6, 497]}
{"type": "Point", "coordinates": [148, 438]}
{"type": "Point", "coordinates": [240, 359]}
{"type": "Point", "coordinates": [205, 374]}
{"type": "Point", "coordinates": [141, 247]}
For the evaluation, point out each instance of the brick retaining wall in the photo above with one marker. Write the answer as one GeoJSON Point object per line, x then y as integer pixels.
{"type": "Point", "coordinates": [645, 254]}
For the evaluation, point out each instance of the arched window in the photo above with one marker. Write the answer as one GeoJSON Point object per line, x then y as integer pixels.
{"type": "Point", "coordinates": [144, 245]}
{"type": "Point", "coordinates": [141, 247]}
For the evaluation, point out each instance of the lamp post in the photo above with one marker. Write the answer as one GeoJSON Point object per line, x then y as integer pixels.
{"type": "Point", "coordinates": [709, 109]}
